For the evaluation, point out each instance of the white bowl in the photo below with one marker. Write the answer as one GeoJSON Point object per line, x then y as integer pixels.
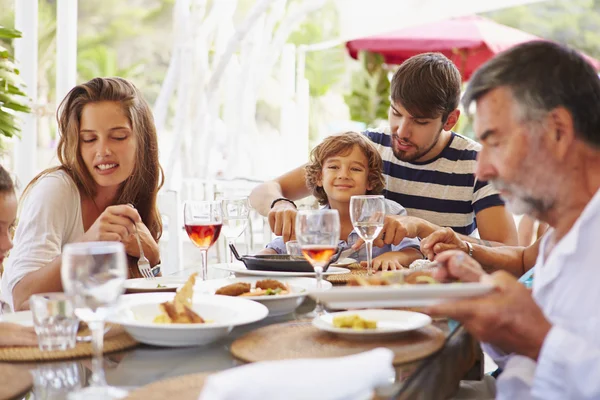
{"type": "Point", "coordinates": [136, 312]}
{"type": "Point", "coordinates": [277, 305]}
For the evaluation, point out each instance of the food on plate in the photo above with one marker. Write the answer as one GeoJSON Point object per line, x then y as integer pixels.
{"type": "Point", "coordinates": [179, 311]}
{"type": "Point", "coordinates": [419, 278]}
{"type": "Point", "coordinates": [235, 289]}
{"type": "Point", "coordinates": [422, 264]}
{"type": "Point", "coordinates": [270, 284]}
{"type": "Point", "coordinates": [159, 286]}
{"type": "Point", "coordinates": [353, 321]}
{"type": "Point", "coordinates": [267, 287]}
{"type": "Point", "coordinates": [394, 278]}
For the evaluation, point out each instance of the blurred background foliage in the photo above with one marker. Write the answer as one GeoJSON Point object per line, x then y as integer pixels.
{"type": "Point", "coordinates": [133, 39]}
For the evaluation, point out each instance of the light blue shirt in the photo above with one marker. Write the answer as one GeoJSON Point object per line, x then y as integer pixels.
{"type": "Point", "coordinates": [392, 208]}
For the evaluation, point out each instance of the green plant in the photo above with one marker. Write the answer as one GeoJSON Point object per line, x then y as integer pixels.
{"type": "Point", "coordinates": [12, 97]}
{"type": "Point", "coordinates": [369, 100]}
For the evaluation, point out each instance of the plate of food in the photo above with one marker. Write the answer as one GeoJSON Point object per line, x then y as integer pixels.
{"type": "Point", "coordinates": [402, 288]}
{"type": "Point", "coordinates": [372, 324]}
{"type": "Point", "coordinates": [281, 296]}
{"type": "Point", "coordinates": [183, 318]}
{"type": "Point", "coordinates": [241, 270]}
{"type": "Point", "coordinates": [158, 284]}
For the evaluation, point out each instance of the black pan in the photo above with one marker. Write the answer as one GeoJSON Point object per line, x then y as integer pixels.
{"type": "Point", "coordinates": [278, 262]}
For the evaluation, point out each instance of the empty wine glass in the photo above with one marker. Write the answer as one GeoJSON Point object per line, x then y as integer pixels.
{"type": "Point", "coordinates": [203, 221]}
{"type": "Point", "coordinates": [235, 218]}
{"type": "Point", "coordinates": [368, 215]}
{"type": "Point", "coordinates": [318, 233]}
{"type": "Point", "coordinates": [94, 274]}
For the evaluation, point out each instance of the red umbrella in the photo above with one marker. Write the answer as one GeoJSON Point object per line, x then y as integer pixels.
{"type": "Point", "coordinates": [467, 41]}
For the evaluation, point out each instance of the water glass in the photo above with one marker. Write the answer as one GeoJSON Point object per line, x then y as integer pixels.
{"type": "Point", "coordinates": [368, 216]}
{"type": "Point", "coordinates": [293, 249]}
{"type": "Point", "coordinates": [94, 274]}
{"type": "Point", "coordinates": [235, 218]}
{"type": "Point", "coordinates": [57, 380]}
{"type": "Point", "coordinates": [54, 321]}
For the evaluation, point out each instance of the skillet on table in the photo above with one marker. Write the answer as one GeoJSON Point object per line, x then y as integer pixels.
{"type": "Point", "coordinates": [279, 262]}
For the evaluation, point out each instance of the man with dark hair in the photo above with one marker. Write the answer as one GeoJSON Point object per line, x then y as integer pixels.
{"type": "Point", "coordinates": [428, 168]}
{"type": "Point", "coordinates": [537, 118]}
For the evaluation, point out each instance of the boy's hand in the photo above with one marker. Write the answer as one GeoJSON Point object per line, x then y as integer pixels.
{"type": "Point", "coordinates": [386, 261]}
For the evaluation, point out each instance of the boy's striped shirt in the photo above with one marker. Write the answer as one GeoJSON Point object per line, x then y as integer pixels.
{"type": "Point", "coordinates": [444, 190]}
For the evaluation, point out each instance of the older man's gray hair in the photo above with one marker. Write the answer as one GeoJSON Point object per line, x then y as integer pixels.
{"type": "Point", "coordinates": [542, 76]}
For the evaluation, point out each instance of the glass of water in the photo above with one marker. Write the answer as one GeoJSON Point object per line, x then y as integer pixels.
{"type": "Point", "coordinates": [94, 274]}
{"type": "Point", "coordinates": [54, 321]}
{"type": "Point", "coordinates": [235, 219]}
{"type": "Point", "coordinates": [293, 249]}
{"type": "Point", "coordinates": [57, 380]}
{"type": "Point", "coordinates": [368, 216]}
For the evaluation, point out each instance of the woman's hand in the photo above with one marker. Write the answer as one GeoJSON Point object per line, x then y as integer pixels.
{"type": "Point", "coordinates": [17, 335]}
{"type": "Point", "coordinates": [150, 246]}
{"type": "Point", "coordinates": [114, 224]}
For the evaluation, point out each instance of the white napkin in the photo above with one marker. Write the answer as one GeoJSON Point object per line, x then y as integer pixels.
{"type": "Point", "coordinates": [351, 377]}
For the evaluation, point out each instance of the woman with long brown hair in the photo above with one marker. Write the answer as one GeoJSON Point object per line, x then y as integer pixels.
{"type": "Point", "coordinates": [104, 188]}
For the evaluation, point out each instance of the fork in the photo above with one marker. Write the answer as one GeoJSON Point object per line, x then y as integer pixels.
{"type": "Point", "coordinates": [143, 263]}
{"type": "Point", "coordinates": [346, 253]}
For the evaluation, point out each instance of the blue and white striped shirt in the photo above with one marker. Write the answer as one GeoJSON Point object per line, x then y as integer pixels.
{"type": "Point", "coordinates": [443, 191]}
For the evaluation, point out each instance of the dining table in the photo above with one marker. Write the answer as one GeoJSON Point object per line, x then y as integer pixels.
{"type": "Point", "coordinates": [435, 377]}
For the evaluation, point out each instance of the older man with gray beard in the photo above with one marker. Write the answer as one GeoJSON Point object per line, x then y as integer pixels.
{"type": "Point", "coordinates": [538, 118]}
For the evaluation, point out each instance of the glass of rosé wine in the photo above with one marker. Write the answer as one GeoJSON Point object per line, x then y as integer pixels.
{"type": "Point", "coordinates": [318, 233]}
{"type": "Point", "coordinates": [203, 221]}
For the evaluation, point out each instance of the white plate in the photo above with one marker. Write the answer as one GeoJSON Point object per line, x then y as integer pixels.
{"type": "Point", "coordinates": [389, 323]}
{"type": "Point", "coordinates": [142, 285]}
{"type": "Point", "coordinates": [136, 312]}
{"type": "Point", "coordinates": [240, 269]}
{"type": "Point", "coordinates": [344, 262]}
{"type": "Point", "coordinates": [277, 305]}
{"type": "Point", "coordinates": [24, 318]}
{"type": "Point", "coordinates": [398, 296]}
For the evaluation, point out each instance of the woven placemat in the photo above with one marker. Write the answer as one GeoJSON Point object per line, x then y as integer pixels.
{"type": "Point", "coordinates": [186, 387]}
{"type": "Point", "coordinates": [116, 339]}
{"type": "Point", "coordinates": [302, 340]}
{"type": "Point", "coordinates": [14, 381]}
{"type": "Point", "coordinates": [342, 279]}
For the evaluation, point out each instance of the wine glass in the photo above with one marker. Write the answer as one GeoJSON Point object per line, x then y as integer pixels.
{"type": "Point", "coordinates": [203, 221]}
{"type": "Point", "coordinates": [318, 233]}
{"type": "Point", "coordinates": [368, 215]}
{"type": "Point", "coordinates": [235, 218]}
{"type": "Point", "coordinates": [94, 274]}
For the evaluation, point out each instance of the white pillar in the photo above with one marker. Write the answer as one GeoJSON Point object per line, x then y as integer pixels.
{"type": "Point", "coordinates": [26, 54]}
{"type": "Point", "coordinates": [66, 47]}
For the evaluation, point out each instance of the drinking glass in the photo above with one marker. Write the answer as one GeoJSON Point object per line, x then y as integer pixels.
{"type": "Point", "coordinates": [235, 219]}
{"type": "Point", "coordinates": [293, 249]}
{"type": "Point", "coordinates": [56, 380]}
{"type": "Point", "coordinates": [54, 321]}
{"type": "Point", "coordinates": [93, 275]}
{"type": "Point", "coordinates": [203, 221]}
{"type": "Point", "coordinates": [368, 215]}
{"type": "Point", "coordinates": [318, 233]}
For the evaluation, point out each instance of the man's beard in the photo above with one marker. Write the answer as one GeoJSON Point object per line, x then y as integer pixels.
{"type": "Point", "coordinates": [520, 202]}
{"type": "Point", "coordinates": [410, 157]}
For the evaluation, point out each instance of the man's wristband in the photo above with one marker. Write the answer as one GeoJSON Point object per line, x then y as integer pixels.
{"type": "Point", "coordinates": [283, 199]}
{"type": "Point", "coordinates": [470, 246]}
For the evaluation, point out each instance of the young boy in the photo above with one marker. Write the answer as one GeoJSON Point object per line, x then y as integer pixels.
{"type": "Point", "coordinates": [343, 166]}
